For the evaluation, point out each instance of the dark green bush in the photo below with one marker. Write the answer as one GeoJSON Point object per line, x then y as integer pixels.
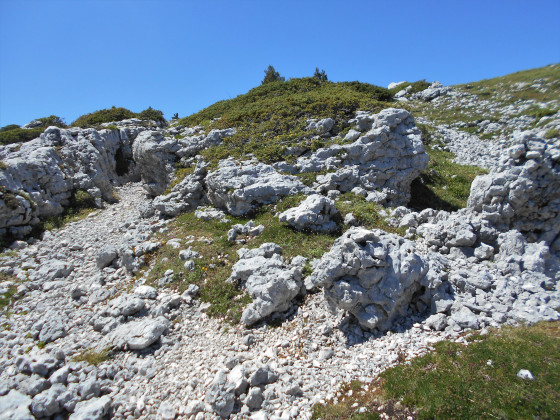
{"type": "Point", "coordinates": [104, 116]}
{"type": "Point", "coordinates": [52, 120]}
{"type": "Point", "coordinates": [151, 114]}
{"type": "Point", "coordinates": [13, 133]}
{"type": "Point", "coordinates": [20, 135]}
{"type": "Point", "coordinates": [9, 127]}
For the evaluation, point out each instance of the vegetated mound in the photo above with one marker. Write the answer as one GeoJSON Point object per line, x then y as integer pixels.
{"type": "Point", "coordinates": [114, 114]}
{"type": "Point", "coordinates": [525, 85]}
{"type": "Point", "coordinates": [273, 116]}
{"type": "Point", "coordinates": [13, 133]}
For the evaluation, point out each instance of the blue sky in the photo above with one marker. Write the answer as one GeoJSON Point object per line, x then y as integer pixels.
{"type": "Point", "coordinates": [69, 58]}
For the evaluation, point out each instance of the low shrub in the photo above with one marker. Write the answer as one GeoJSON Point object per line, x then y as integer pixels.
{"type": "Point", "coordinates": [151, 114]}
{"type": "Point", "coordinates": [92, 356]}
{"type": "Point", "coordinates": [13, 133]}
{"type": "Point", "coordinates": [103, 116]}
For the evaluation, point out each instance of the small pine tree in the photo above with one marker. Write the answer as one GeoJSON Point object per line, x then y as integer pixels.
{"type": "Point", "coordinates": [175, 116]}
{"type": "Point", "coordinates": [321, 75]}
{"type": "Point", "coordinates": [271, 75]}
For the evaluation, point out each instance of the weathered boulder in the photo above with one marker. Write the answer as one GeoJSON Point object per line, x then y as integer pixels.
{"type": "Point", "coordinates": [106, 256]}
{"type": "Point", "coordinates": [270, 281]}
{"type": "Point", "coordinates": [249, 229]}
{"type": "Point", "coordinates": [93, 409]}
{"type": "Point", "coordinates": [371, 274]}
{"type": "Point", "coordinates": [210, 213]}
{"type": "Point", "coordinates": [435, 90]}
{"type": "Point", "coordinates": [138, 334]}
{"type": "Point", "coordinates": [52, 327]}
{"type": "Point", "coordinates": [383, 161]}
{"type": "Point", "coordinates": [322, 126]}
{"type": "Point", "coordinates": [524, 192]}
{"type": "Point", "coordinates": [191, 145]}
{"type": "Point", "coordinates": [316, 213]}
{"type": "Point", "coordinates": [239, 188]}
{"type": "Point", "coordinates": [221, 395]}
{"type": "Point", "coordinates": [154, 156]}
{"type": "Point", "coordinates": [185, 196]}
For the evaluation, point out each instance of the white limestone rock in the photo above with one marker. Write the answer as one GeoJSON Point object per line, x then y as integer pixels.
{"type": "Point", "coordinates": [239, 188]}
{"type": "Point", "coordinates": [316, 213]}
{"type": "Point", "coordinates": [524, 192]}
{"type": "Point", "coordinates": [185, 196]}
{"type": "Point", "coordinates": [270, 281]}
{"type": "Point", "coordinates": [383, 161]}
{"type": "Point", "coordinates": [93, 409]}
{"type": "Point", "coordinates": [221, 395]}
{"type": "Point", "coordinates": [15, 406]}
{"type": "Point", "coordinates": [154, 155]}
{"type": "Point", "coordinates": [371, 274]}
{"type": "Point", "coordinates": [138, 334]}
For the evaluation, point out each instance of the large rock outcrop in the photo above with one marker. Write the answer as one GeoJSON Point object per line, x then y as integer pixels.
{"type": "Point", "coordinates": [316, 213]}
{"type": "Point", "coordinates": [371, 274]}
{"type": "Point", "coordinates": [155, 155]}
{"type": "Point", "coordinates": [239, 188]}
{"type": "Point", "coordinates": [524, 192]}
{"type": "Point", "coordinates": [380, 163]}
{"type": "Point", "coordinates": [185, 196]}
{"type": "Point", "coordinates": [39, 177]}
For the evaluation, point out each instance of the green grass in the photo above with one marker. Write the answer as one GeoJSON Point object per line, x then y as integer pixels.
{"type": "Point", "coordinates": [6, 299]}
{"type": "Point", "coordinates": [457, 382]}
{"type": "Point", "coordinates": [355, 395]}
{"type": "Point", "coordinates": [366, 213]}
{"type": "Point", "coordinates": [272, 117]}
{"type": "Point", "coordinates": [445, 185]}
{"type": "Point", "coordinates": [489, 87]}
{"type": "Point", "coordinates": [92, 356]}
{"type": "Point", "coordinates": [552, 133]}
{"type": "Point", "coordinates": [81, 205]}
{"type": "Point", "coordinates": [213, 269]}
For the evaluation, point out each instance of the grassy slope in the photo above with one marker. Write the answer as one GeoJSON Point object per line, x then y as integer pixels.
{"type": "Point", "coordinates": [272, 117]}
{"type": "Point", "coordinates": [500, 90]}
{"type": "Point", "coordinates": [475, 381]}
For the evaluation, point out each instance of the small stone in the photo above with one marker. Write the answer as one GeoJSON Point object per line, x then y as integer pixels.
{"type": "Point", "coordinates": [525, 374]}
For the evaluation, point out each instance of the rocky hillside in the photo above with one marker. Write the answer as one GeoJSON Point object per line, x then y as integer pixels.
{"type": "Point", "coordinates": [247, 260]}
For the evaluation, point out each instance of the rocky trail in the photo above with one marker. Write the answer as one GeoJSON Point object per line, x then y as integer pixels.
{"type": "Point", "coordinates": [335, 279]}
{"type": "Point", "coordinates": [282, 370]}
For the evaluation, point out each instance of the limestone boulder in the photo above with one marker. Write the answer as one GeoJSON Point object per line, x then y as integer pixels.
{"type": "Point", "coordinates": [316, 213]}
{"type": "Point", "coordinates": [371, 274]}
{"type": "Point", "coordinates": [239, 188]}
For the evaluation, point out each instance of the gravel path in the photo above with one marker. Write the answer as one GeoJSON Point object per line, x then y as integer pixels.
{"type": "Point", "coordinates": [313, 352]}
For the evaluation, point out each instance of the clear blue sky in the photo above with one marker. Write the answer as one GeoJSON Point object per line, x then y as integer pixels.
{"type": "Point", "coordinates": [69, 58]}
